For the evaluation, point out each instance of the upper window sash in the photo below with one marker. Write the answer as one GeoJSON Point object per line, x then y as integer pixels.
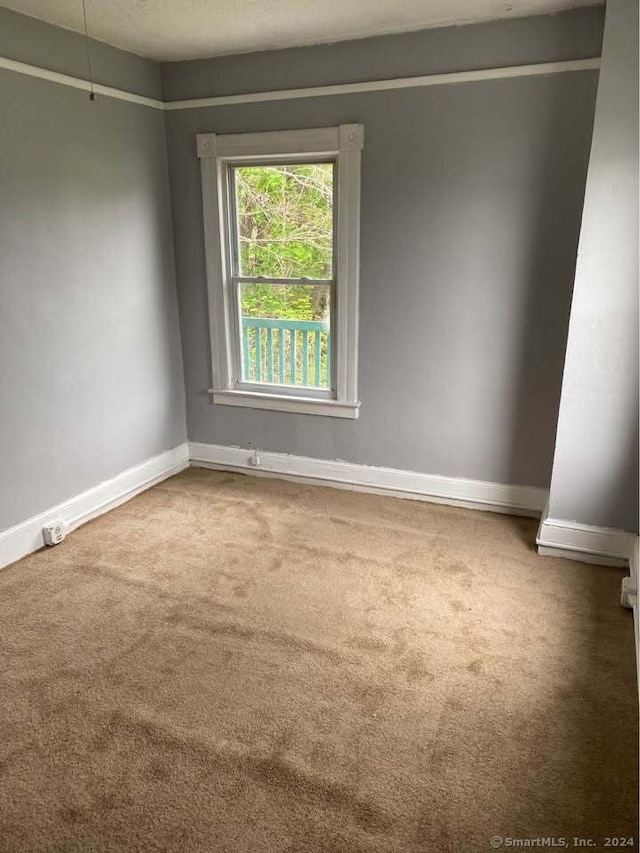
{"type": "Point", "coordinates": [233, 212]}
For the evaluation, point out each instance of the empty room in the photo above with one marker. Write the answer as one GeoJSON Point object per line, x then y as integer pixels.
{"type": "Point", "coordinates": [319, 426]}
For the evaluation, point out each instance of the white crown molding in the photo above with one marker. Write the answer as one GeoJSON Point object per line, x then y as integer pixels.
{"type": "Point", "coordinates": [21, 540]}
{"type": "Point", "coordinates": [449, 78]}
{"type": "Point", "coordinates": [474, 494]}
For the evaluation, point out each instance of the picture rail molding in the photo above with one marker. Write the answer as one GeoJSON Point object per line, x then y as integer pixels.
{"type": "Point", "coordinates": [447, 78]}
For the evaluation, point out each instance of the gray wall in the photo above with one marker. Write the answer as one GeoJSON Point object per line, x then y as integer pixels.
{"type": "Point", "coordinates": [595, 474]}
{"type": "Point", "coordinates": [471, 204]}
{"type": "Point", "coordinates": [90, 362]}
{"type": "Point", "coordinates": [545, 38]}
{"type": "Point", "coordinates": [36, 43]}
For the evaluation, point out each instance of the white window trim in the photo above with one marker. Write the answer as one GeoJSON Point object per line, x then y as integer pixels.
{"type": "Point", "coordinates": [344, 143]}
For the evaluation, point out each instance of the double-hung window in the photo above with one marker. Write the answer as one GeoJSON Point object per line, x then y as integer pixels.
{"type": "Point", "coordinates": [282, 230]}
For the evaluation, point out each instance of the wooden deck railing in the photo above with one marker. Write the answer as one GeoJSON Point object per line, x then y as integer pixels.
{"type": "Point", "coordinates": [286, 352]}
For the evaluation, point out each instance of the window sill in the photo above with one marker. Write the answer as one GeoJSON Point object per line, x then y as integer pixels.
{"type": "Point", "coordinates": [286, 403]}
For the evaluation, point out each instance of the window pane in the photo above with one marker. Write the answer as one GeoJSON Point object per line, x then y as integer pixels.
{"type": "Point", "coordinates": [285, 220]}
{"type": "Point", "coordinates": [286, 338]}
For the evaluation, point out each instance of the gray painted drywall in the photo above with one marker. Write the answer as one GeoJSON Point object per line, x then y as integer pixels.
{"type": "Point", "coordinates": [90, 363]}
{"type": "Point", "coordinates": [36, 43]}
{"type": "Point", "coordinates": [595, 472]}
{"type": "Point", "coordinates": [576, 34]}
{"type": "Point", "coordinates": [471, 204]}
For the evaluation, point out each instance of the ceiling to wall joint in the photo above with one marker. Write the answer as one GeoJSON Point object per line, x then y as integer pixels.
{"type": "Point", "coordinates": [169, 30]}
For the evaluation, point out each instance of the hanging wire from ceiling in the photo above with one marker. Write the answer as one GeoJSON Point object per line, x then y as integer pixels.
{"type": "Point", "coordinates": [92, 94]}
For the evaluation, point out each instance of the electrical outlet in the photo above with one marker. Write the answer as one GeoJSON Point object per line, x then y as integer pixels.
{"type": "Point", "coordinates": [54, 533]}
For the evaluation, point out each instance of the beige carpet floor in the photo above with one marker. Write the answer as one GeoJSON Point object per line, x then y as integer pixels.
{"type": "Point", "coordinates": [240, 665]}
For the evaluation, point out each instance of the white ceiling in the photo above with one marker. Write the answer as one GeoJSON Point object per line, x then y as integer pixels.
{"type": "Point", "coordinates": [187, 29]}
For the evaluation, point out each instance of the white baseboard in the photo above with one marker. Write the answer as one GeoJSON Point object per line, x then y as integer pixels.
{"type": "Point", "coordinates": [574, 541]}
{"type": "Point", "coordinates": [474, 494]}
{"type": "Point", "coordinates": [16, 542]}
{"type": "Point", "coordinates": [630, 598]}
{"type": "Point", "coordinates": [636, 630]}
{"type": "Point", "coordinates": [555, 537]}
{"type": "Point", "coordinates": [634, 561]}
{"type": "Point", "coordinates": [604, 546]}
